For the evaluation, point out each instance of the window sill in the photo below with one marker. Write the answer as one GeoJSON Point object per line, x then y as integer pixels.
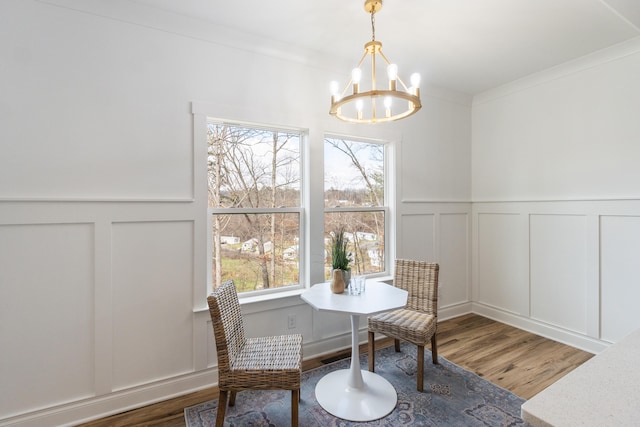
{"type": "Point", "coordinates": [265, 302]}
{"type": "Point", "coordinates": [245, 300]}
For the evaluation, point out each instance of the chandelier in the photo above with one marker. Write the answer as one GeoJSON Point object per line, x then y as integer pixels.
{"type": "Point", "coordinates": [375, 105]}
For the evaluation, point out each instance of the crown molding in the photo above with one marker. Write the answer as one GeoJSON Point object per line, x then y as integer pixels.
{"type": "Point", "coordinates": [621, 50]}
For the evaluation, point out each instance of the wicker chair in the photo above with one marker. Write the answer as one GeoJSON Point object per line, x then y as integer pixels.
{"type": "Point", "coordinates": [416, 322]}
{"type": "Point", "coordinates": [266, 363]}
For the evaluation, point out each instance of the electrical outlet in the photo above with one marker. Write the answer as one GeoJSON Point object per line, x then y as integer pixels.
{"type": "Point", "coordinates": [291, 321]}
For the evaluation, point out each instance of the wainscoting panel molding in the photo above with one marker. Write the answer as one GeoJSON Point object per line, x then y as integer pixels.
{"type": "Point", "coordinates": [454, 245]}
{"type": "Point", "coordinates": [558, 270]}
{"type": "Point", "coordinates": [502, 260]}
{"type": "Point", "coordinates": [152, 301]}
{"type": "Point", "coordinates": [46, 297]}
{"type": "Point", "coordinates": [620, 256]}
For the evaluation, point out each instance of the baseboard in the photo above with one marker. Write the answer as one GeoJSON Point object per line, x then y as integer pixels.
{"type": "Point", "coordinates": [552, 332]}
{"type": "Point", "coordinates": [115, 403]}
{"type": "Point", "coordinates": [454, 310]}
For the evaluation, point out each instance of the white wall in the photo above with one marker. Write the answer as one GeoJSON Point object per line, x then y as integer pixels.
{"type": "Point", "coordinates": [103, 199]}
{"type": "Point", "coordinates": [557, 199]}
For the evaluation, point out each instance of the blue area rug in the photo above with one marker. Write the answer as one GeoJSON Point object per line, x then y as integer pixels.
{"type": "Point", "coordinates": [452, 397]}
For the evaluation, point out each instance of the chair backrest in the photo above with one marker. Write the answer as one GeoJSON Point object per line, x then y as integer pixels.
{"type": "Point", "coordinates": [228, 328]}
{"type": "Point", "coordinates": [420, 279]}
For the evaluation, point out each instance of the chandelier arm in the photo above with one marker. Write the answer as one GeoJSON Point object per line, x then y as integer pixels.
{"type": "Point", "coordinates": [364, 56]}
{"type": "Point", "coordinates": [402, 83]}
{"type": "Point", "coordinates": [373, 70]}
{"type": "Point", "coordinates": [384, 57]}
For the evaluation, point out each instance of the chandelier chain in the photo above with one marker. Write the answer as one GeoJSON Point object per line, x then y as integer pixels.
{"type": "Point", "coordinates": [373, 25]}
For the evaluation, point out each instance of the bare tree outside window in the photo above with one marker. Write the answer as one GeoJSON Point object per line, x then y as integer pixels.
{"type": "Point", "coordinates": [355, 200]}
{"type": "Point", "coordinates": [254, 199]}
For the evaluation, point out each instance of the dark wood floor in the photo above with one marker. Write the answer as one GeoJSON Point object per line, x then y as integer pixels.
{"type": "Point", "coordinates": [519, 361]}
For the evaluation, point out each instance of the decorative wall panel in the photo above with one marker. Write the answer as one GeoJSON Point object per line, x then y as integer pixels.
{"type": "Point", "coordinates": [46, 297]}
{"type": "Point", "coordinates": [558, 270]}
{"type": "Point", "coordinates": [152, 301]}
{"type": "Point", "coordinates": [501, 263]}
{"type": "Point", "coordinates": [620, 284]}
{"type": "Point", "coordinates": [454, 258]}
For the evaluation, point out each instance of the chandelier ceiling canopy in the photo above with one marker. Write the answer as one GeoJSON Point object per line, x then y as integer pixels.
{"type": "Point", "coordinates": [385, 100]}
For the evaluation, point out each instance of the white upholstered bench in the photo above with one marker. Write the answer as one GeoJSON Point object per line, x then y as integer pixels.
{"type": "Point", "coordinates": [603, 391]}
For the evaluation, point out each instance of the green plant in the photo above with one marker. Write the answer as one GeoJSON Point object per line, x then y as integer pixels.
{"type": "Point", "coordinates": [339, 255]}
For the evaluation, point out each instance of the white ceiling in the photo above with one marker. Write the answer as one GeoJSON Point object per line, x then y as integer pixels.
{"type": "Point", "coordinates": [465, 45]}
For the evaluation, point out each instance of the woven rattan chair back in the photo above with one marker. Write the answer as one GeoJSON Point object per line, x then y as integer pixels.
{"type": "Point", "coordinates": [257, 363]}
{"type": "Point", "coordinates": [417, 321]}
{"type": "Point", "coordinates": [228, 327]}
{"type": "Point", "coordinates": [420, 279]}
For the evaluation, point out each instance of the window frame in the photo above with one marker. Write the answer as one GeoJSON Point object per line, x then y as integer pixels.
{"type": "Point", "coordinates": [389, 195]}
{"type": "Point", "coordinates": [300, 210]}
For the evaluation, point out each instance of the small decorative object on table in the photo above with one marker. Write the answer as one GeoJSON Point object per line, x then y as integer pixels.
{"type": "Point", "coordinates": [341, 273]}
{"type": "Point", "coordinates": [337, 281]}
{"type": "Point", "coordinates": [357, 285]}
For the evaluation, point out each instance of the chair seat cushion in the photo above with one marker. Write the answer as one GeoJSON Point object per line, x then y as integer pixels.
{"type": "Point", "coordinates": [267, 363]}
{"type": "Point", "coordinates": [403, 324]}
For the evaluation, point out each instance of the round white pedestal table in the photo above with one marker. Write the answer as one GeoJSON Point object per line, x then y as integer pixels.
{"type": "Point", "coordinates": [353, 394]}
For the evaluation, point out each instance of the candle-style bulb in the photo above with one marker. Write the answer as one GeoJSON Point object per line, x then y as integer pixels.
{"type": "Point", "coordinates": [392, 71]}
{"type": "Point", "coordinates": [387, 106]}
{"type": "Point", "coordinates": [333, 87]}
{"type": "Point", "coordinates": [356, 75]}
{"type": "Point", "coordinates": [359, 106]}
{"type": "Point", "coordinates": [415, 80]}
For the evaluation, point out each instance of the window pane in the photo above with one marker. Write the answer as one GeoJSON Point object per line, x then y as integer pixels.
{"type": "Point", "coordinates": [353, 173]}
{"type": "Point", "coordinates": [257, 251]}
{"type": "Point", "coordinates": [253, 168]}
{"type": "Point", "coordinates": [364, 232]}
{"type": "Point", "coordinates": [249, 169]}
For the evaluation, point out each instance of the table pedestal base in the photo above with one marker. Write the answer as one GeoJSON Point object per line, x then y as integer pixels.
{"type": "Point", "coordinates": [376, 399]}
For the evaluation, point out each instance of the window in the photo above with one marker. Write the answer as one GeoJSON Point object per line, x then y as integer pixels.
{"type": "Point", "coordinates": [266, 232]}
{"type": "Point", "coordinates": [255, 205]}
{"type": "Point", "coordinates": [355, 200]}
